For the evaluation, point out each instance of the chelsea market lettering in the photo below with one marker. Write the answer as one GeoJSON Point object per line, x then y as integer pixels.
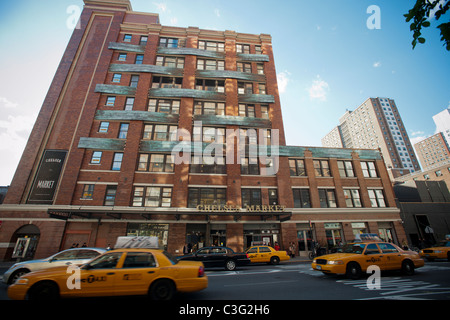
{"type": "Point", "coordinates": [248, 208]}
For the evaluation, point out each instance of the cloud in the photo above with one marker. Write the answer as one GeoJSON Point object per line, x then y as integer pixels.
{"type": "Point", "coordinates": [217, 12]}
{"type": "Point", "coordinates": [174, 21]}
{"type": "Point", "coordinates": [4, 102]}
{"type": "Point", "coordinates": [161, 6]}
{"type": "Point", "coordinates": [283, 80]}
{"type": "Point", "coordinates": [415, 133]}
{"type": "Point", "coordinates": [319, 89]}
{"type": "Point", "coordinates": [377, 64]}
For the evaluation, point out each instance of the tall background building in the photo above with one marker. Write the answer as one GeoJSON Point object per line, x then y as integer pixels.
{"type": "Point", "coordinates": [442, 121]}
{"type": "Point", "coordinates": [376, 124]}
{"type": "Point", "coordinates": [99, 160]}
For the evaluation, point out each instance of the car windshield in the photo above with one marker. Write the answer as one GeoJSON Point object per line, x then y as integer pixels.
{"type": "Point", "coordinates": [354, 248]}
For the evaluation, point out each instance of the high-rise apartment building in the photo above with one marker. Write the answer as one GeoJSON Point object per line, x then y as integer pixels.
{"type": "Point", "coordinates": [433, 151]}
{"type": "Point", "coordinates": [125, 137]}
{"type": "Point", "coordinates": [442, 121]}
{"type": "Point", "coordinates": [376, 124]}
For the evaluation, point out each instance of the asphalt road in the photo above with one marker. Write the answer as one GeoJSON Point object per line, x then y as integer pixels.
{"type": "Point", "coordinates": [297, 281]}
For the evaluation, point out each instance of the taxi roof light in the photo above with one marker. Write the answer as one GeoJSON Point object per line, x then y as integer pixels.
{"type": "Point", "coordinates": [367, 237]}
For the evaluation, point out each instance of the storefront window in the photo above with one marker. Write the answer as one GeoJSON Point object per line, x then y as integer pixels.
{"type": "Point", "coordinates": [151, 230]}
{"type": "Point", "coordinates": [333, 232]}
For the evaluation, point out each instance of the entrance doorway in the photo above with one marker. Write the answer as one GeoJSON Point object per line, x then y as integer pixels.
{"type": "Point", "coordinates": [305, 242]}
{"type": "Point", "coordinates": [26, 239]}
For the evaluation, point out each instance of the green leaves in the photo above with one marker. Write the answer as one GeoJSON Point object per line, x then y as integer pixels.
{"type": "Point", "coordinates": [422, 12]}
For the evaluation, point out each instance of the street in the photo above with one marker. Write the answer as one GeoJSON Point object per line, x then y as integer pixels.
{"type": "Point", "coordinates": [297, 281]}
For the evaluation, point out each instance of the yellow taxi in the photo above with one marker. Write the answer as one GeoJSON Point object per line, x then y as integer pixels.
{"type": "Point", "coordinates": [356, 257]}
{"type": "Point", "coordinates": [117, 272]}
{"type": "Point", "coordinates": [440, 251]}
{"type": "Point", "coordinates": [266, 254]}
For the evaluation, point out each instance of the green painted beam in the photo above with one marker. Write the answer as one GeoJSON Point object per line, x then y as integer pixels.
{"type": "Point", "coordinates": [253, 57]}
{"type": "Point", "coordinates": [115, 89]}
{"type": "Point", "coordinates": [129, 115]}
{"type": "Point", "coordinates": [256, 98]}
{"type": "Point", "coordinates": [102, 144]}
{"type": "Point", "coordinates": [126, 47]}
{"type": "Point", "coordinates": [192, 52]}
{"type": "Point", "coordinates": [148, 68]}
{"type": "Point", "coordinates": [228, 74]}
{"type": "Point", "coordinates": [185, 93]}
{"type": "Point", "coordinates": [233, 121]}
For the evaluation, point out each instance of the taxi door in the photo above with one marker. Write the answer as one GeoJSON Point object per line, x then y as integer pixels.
{"type": "Point", "coordinates": [264, 254]}
{"type": "Point", "coordinates": [134, 276]}
{"type": "Point", "coordinates": [252, 253]}
{"type": "Point", "coordinates": [373, 256]}
{"type": "Point", "coordinates": [97, 277]}
{"type": "Point", "coordinates": [393, 258]}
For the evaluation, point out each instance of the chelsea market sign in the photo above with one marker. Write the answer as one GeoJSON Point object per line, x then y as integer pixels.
{"type": "Point", "coordinates": [248, 208]}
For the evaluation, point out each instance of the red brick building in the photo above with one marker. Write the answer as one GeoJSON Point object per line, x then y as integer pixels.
{"type": "Point", "coordinates": [100, 160]}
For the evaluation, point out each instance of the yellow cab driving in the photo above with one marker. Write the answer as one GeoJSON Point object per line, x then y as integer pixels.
{"type": "Point", "coordinates": [440, 251]}
{"type": "Point", "coordinates": [266, 254]}
{"type": "Point", "coordinates": [356, 257]}
{"type": "Point", "coordinates": [119, 272]}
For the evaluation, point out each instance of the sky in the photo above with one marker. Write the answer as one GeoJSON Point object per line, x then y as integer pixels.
{"type": "Point", "coordinates": [330, 56]}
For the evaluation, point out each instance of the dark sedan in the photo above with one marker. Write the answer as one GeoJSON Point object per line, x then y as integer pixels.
{"type": "Point", "coordinates": [218, 257]}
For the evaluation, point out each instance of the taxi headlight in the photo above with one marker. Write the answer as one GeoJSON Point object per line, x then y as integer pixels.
{"type": "Point", "coordinates": [21, 281]}
{"type": "Point", "coordinates": [335, 262]}
{"type": "Point", "coordinates": [314, 261]}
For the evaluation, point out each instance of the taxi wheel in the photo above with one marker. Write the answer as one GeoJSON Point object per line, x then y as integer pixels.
{"type": "Point", "coordinates": [230, 265]}
{"type": "Point", "coordinates": [408, 267]}
{"type": "Point", "coordinates": [163, 289]}
{"type": "Point", "coordinates": [16, 275]}
{"type": "Point", "coordinates": [353, 271]}
{"type": "Point", "coordinates": [45, 290]}
{"type": "Point", "coordinates": [274, 260]}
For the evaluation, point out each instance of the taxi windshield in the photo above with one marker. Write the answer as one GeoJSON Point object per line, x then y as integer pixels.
{"type": "Point", "coordinates": [442, 244]}
{"type": "Point", "coordinates": [353, 248]}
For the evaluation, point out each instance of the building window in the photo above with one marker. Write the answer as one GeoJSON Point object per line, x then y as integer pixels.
{"type": "Point", "coordinates": [116, 77]}
{"type": "Point", "coordinates": [244, 67]}
{"type": "Point", "coordinates": [207, 196]}
{"type": "Point", "coordinates": [122, 57]}
{"type": "Point", "coordinates": [438, 173]}
{"type": "Point", "coordinates": [167, 82]}
{"type": "Point", "coordinates": [211, 108]}
{"type": "Point", "coordinates": [345, 169]}
{"type": "Point", "coordinates": [199, 164]}
{"type": "Point", "coordinates": [262, 88]}
{"type": "Point", "coordinates": [156, 163]}
{"type": "Point", "coordinates": [297, 167]}
{"type": "Point", "coordinates": [210, 85]}
{"type": "Point", "coordinates": [247, 110]}
{"type": "Point", "coordinates": [209, 134]}
{"type": "Point", "coordinates": [251, 197]}
{"type": "Point", "coordinates": [96, 157]}
{"type": "Point", "coordinates": [117, 161]}
{"type": "Point", "coordinates": [273, 196]}
{"type": "Point", "coordinates": [110, 195]}
{"type": "Point", "coordinates": [260, 68]}
{"type": "Point", "coordinates": [152, 197]}
{"type": "Point", "coordinates": [123, 131]}
{"type": "Point", "coordinates": [171, 62]}
{"type": "Point", "coordinates": [369, 170]}
{"type": "Point", "coordinates": [110, 101]}
{"type": "Point", "coordinates": [127, 38]}
{"type": "Point", "coordinates": [164, 106]}
{"type": "Point", "coordinates": [211, 46]}
{"type": "Point", "coordinates": [134, 81]}
{"type": "Point", "coordinates": [376, 198]}
{"type": "Point", "coordinates": [204, 64]}
{"type": "Point", "coordinates": [143, 40]}
{"type": "Point", "coordinates": [245, 88]}
{"type": "Point", "coordinates": [327, 198]}
{"type": "Point", "coordinates": [88, 192]}
{"type": "Point", "coordinates": [160, 132]}
{"type": "Point", "coordinates": [139, 59]}
{"type": "Point", "coordinates": [129, 103]}
{"type": "Point", "coordinates": [265, 112]}
{"type": "Point", "coordinates": [250, 165]}
{"type": "Point", "coordinates": [168, 42]}
{"type": "Point", "coordinates": [322, 168]}
{"type": "Point", "coordinates": [301, 198]}
{"type": "Point", "coordinates": [352, 198]}
{"type": "Point", "coordinates": [243, 48]}
{"type": "Point", "coordinates": [103, 128]}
